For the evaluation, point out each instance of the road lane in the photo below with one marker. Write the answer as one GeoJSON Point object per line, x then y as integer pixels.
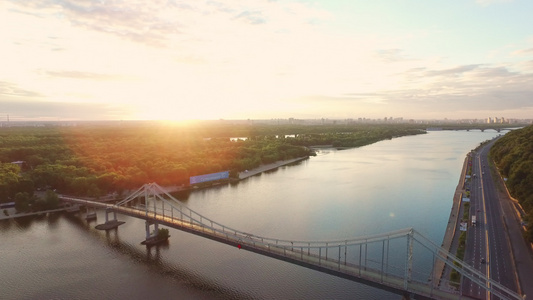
{"type": "Point", "coordinates": [476, 241]}
{"type": "Point", "coordinates": [488, 246]}
{"type": "Point", "coordinates": [501, 264]}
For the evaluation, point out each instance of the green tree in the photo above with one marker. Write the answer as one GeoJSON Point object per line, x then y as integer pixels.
{"type": "Point", "coordinates": [163, 233]}
{"type": "Point", "coordinates": [23, 202]}
{"type": "Point", "coordinates": [513, 155]}
{"type": "Point", "coordinates": [51, 200]}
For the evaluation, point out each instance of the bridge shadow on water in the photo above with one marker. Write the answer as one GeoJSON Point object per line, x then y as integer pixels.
{"type": "Point", "coordinates": [24, 223]}
{"type": "Point", "coordinates": [151, 257]}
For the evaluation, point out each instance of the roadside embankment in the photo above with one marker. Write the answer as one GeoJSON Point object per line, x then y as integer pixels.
{"type": "Point", "coordinates": [453, 221]}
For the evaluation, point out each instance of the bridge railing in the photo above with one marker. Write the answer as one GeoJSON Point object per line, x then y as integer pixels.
{"type": "Point", "coordinates": [357, 253]}
{"type": "Point", "coordinates": [175, 208]}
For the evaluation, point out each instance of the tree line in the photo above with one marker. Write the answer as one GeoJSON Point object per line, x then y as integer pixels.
{"type": "Point", "coordinates": [94, 160]}
{"type": "Point", "coordinates": [513, 155]}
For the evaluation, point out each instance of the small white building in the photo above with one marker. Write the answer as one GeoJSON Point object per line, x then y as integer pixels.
{"type": "Point", "coordinates": [18, 163]}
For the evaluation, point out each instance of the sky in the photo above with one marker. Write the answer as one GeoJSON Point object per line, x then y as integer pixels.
{"type": "Point", "coordinates": [265, 59]}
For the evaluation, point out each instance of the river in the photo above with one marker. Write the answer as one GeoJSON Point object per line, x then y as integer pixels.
{"type": "Point", "coordinates": [389, 185]}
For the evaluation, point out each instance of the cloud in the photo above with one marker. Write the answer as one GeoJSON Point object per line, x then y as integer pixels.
{"type": "Point", "coordinates": [490, 2]}
{"type": "Point", "coordinates": [391, 55]}
{"type": "Point", "coordinates": [460, 70]}
{"type": "Point", "coordinates": [133, 20]}
{"type": "Point", "coordinates": [527, 66]}
{"type": "Point", "coordinates": [163, 23]}
{"type": "Point", "coordinates": [48, 110]}
{"type": "Point", "coordinates": [252, 17]}
{"type": "Point", "coordinates": [523, 52]}
{"type": "Point", "coordinates": [467, 88]}
{"type": "Point", "coordinates": [24, 104]}
{"type": "Point", "coordinates": [465, 91]}
{"type": "Point", "coordinates": [80, 75]}
{"type": "Point", "coordinates": [241, 59]}
{"type": "Point", "coordinates": [8, 89]}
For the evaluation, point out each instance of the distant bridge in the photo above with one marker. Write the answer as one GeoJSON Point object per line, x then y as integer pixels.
{"type": "Point", "coordinates": [403, 261]}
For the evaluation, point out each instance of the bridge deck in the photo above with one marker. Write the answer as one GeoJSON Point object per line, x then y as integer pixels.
{"type": "Point", "coordinates": [306, 254]}
{"type": "Point", "coordinates": [294, 255]}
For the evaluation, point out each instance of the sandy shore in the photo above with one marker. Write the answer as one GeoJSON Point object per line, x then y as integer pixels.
{"type": "Point", "coordinates": [267, 167]}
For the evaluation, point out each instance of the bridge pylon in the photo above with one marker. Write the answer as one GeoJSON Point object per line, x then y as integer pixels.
{"type": "Point", "coordinates": [409, 259]}
{"type": "Point", "coordinates": [107, 212]}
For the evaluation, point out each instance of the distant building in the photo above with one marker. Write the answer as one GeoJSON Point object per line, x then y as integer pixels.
{"type": "Point", "coordinates": [18, 163]}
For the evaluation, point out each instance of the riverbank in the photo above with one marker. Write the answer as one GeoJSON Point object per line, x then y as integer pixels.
{"type": "Point", "coordinates": [242, 175]}
{"type": "Point", "coordinates": [268, 167]}
{"type": "Point", "coordinates": [12, 213]}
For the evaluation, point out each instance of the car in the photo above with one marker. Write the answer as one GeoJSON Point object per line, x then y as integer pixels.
{"type": "Point", "coordinates": [482, 260]}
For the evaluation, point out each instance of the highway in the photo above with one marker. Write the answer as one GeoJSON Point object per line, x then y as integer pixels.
{"type": "Point", "coordinates": [488, 247]}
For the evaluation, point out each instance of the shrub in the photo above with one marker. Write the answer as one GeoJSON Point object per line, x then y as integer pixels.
{"type": "Point", "coordinates": [163, 233]}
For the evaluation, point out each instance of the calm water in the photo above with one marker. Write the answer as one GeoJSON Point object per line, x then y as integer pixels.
{"type": "Point", "coordinates": [404, 182]}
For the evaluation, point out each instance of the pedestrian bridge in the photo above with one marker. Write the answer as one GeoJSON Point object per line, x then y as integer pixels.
{"type": "Point", "coordinates": [403, 261]}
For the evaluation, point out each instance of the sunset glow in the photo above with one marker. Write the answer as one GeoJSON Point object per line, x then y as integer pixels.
{"type": "Point", "coordinates": [181, 60]}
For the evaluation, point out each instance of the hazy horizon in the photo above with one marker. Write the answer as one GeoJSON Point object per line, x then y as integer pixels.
{"type": "Point", "coordinates": [263, 59]}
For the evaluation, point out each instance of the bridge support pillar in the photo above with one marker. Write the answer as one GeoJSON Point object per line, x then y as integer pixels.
{"type": "Point", "coordinates": [91, 213]}
{"type": "Point", "coordinates": [153, 238]}
{"type": "Point", "coordinates": [107, 211]}
{"type": "Point", "coordinates": [148, 233]}
{"type": "Point", "coordinates": [109, 224]}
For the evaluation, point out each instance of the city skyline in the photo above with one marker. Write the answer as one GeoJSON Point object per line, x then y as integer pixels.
{"type": "Point", "coordinates": [175, 60]}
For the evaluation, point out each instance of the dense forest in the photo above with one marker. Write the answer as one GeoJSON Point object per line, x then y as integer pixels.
{"type": "Point", "coordinates": [513, 155]}
{"type": "Point", "coordinates": [96, 159]}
